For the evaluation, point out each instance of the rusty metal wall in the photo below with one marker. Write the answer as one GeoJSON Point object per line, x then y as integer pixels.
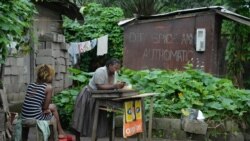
{"type": "Point", "coordinates": [170, 43]}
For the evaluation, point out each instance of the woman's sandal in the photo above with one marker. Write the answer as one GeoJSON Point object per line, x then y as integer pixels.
{"type": "Point", "coordinates": [65, 138]}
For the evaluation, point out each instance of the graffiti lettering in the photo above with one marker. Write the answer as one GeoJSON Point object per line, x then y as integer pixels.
{"type": "Point", "coordinates": [167, 55]}
{"type": "Point", "coordinates": [187, 39]}
{"type": "Point", "coordinates": [164, 38]}
{"type": "Point", "coordinates": [161, 38]}
{"type": "Point", "coordinates": [136, 37]}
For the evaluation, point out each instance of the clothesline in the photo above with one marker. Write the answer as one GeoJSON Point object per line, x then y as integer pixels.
{"type": "Point", "coordinates": [77, 48]}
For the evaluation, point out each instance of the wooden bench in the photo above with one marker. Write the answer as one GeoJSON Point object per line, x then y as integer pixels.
{"type": "Point", "coordinates": [31, 125]}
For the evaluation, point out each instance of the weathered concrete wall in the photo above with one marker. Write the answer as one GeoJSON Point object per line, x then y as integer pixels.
{"type": "Point", "coordinates": [175, 130]}
{"type": "Point", "coordinates": [21, 70]}
{"type": "Point", "coordinates": [53, 51]}
{"type": "Point", "coordinates": [16, 77]}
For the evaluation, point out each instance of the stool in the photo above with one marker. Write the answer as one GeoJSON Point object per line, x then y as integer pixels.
{"type": "Point", "coordinates": [28, 124]}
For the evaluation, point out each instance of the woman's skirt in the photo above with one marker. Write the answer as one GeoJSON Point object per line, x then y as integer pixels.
{"type": "Point", "coordinates": [83, 116]}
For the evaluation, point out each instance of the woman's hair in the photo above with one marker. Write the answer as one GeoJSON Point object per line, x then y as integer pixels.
{"type": "Point", "coordinates": [112, 61]}
{"type": "Point", "coordinates": [45, 73]}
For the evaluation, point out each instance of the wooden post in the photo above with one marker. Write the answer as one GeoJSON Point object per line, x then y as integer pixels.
{"type": "Point", "coordinates": [96, 114]}
{"type": "Point", "coordinates": [144, 134]}
{"type": "Point", "coordinates": [150, 119]}
{"type": "Point", "coordinates": [113, 127]}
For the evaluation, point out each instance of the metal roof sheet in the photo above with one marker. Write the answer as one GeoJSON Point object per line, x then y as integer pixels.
{"type": "Point", "coordinates": [218, 9]}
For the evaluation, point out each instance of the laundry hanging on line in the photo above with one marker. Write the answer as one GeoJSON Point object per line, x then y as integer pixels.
{"type": "Point", "coordinates": [76, 48]}
{"type": "Point", "coordinates": [102, 45]}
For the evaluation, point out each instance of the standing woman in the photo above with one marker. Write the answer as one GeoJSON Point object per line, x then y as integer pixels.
{"type": "Point", "coordinates": [38, 98]}
{"type": "Point", "coordinates": [104, 78]}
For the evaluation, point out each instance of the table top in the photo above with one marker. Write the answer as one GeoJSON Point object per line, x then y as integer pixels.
{"type": "Point", "coordinates": [109, 94]}
{"type": "Point", "coordinates": [136, 96]}
{"type": "Point", "coordinates": [112, 91]}
{"type": "Point", "coordinates": [119, 94]}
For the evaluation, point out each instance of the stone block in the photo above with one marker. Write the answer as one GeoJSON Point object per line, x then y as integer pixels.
{"type": "Point", "coordinates": [4, 99]}
{"type": "Point", "coordinates": [62, 54]}
{"type": "Point", "coordinates": [231, 126]}
{"type": "Point", "coordinates": [21, 70]}
{"type": "Point", "coordinates": [194, 126]}
{"type": "Point", "coordinates": [56, 53]}
{"type": "Point", "coordinates": [15, 70]}
{"type": "Point", "coordinates": [41, 45]}
{"type": "Point", "coordinates": [44, 52]}
{"type": "Point", "coordinates": [11, 70]}
{"type": "Point", "coordinates": [60, 38]}
{"type": "Point", "coordinates": [197, 137]}
{"type": "Point", "coordinates": [68, 62]}
{"type": "Point", "coordinates": [66, 55]}
{"type": "Point", "coordinates": [7, 70]}
{"type": "Point", "coordinates": [215, 136]}
{"type": "Point", "coordinates": [2, 136]}
{"type": "Point", "coordinates": [45, 60]}
{"type": "Point", "coordinates": [60, 68]}
{"type": "Point", "coordinates": [53, 45]}
{"type": "Point", "coordinates": [10, 61]}
{"type": "Point", "coordinates": [59, 76]}
{"type": "Point", "coordinates": [175, 134]}
{"type": "Point", "coordinates": [24, 79]}
{"type": "Point", "coordinates": [3, 120]}
{"type": "Point", "coordinates": [10, 88]}
{"type": "Point", "coordinates": [20, 61]}
{"type": "Point", "coordinates": [23, 87]}
{"type": "Point", "coordinates": [236, 136]}
{"type": "Point", "coordinates": [52, 37]}
{"type": "Point", "coordinates": [18, 96]}
{"type": "Point", "coordinates": [64, 46]}
{"type": "Point", "coordinates": [7, 79]}
{"type": "Point", "coordinates": [16, 79]}
{"type": "Point", "coordinates": [166, 123]}
{"type": "Point", "coordinates": [60, 61]}
{"type": "Point", "coordinates": [58, 83]}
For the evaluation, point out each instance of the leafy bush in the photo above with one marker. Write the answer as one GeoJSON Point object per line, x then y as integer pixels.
{"type": "Point", "coordinates": [217, 98]}
{"type": "Point", "coordinates": [65, 105]}
{"type": "Point", "coordinates": [66, 98]}
{"type": "Point", "coordinates": [98, 21]}
{"type": "Point", "coordinates": [16, 17]}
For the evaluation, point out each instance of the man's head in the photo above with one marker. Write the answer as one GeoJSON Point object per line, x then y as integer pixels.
{"type": "Point", "coordinates": [45, 74]}
{"type": "Point", "coordinates": [113, 65]}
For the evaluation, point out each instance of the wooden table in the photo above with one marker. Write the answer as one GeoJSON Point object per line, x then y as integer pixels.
{"type": "Point", "coordinates": [111, 98]}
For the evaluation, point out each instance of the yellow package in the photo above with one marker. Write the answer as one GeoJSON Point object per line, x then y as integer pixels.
{"type": "Point", "coordinates": [138, 112]}
{"type": "Point", "coordinates": [129, 111]}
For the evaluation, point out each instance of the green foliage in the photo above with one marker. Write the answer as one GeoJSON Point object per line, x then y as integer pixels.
{"type": "Point", "coordinates": [15, 20]}
{"type": "Point", "coordinates": [65, 104]}
{"type": "Point", "coordinates": [238, 49]}
{"type": "Point", "coordinates": [66, 98]}
{"type": "Point", "coordinates": [150, 7]}
{"type": "Point", "coordinates": [217, 98]}
{"type": "Point", "coordinates": [99, 21]}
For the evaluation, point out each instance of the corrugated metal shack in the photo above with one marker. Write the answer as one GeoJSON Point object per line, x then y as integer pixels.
{"type": "Point", "coordinates": [171, 40]}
